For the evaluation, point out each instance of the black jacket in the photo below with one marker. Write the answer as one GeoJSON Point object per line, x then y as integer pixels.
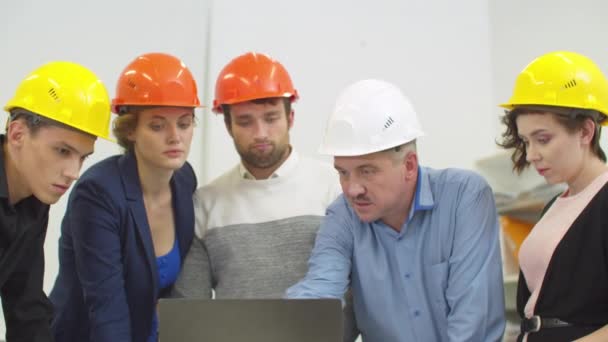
{"type": "Point", "coordinates": [575, 287]}
{"type": "Point", "coordinates": [27, 310]}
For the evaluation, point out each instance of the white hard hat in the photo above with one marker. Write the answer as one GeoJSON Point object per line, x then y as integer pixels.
{"type": "Point", "coordinates": [370, 116]}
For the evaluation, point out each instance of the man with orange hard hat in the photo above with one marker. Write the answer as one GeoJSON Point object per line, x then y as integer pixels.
{"type": "Point", "coordinates": [267, 209]}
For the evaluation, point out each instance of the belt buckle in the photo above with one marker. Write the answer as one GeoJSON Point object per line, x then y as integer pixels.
{"type": "Point", "coordinates": [533, 324]}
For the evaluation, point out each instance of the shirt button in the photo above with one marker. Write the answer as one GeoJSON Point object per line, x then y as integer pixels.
{"type": "Point", "coordinates": [407, 276]}
{"type": "Point", "coordinates": [416, 313]}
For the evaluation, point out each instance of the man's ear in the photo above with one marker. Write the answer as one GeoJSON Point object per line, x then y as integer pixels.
{"type": "Point", "coordinates": [411, 165]}
{"type": "Point", "coordinates": [290, 118]}
{"type": "Point", "coordinates": [16, 132]}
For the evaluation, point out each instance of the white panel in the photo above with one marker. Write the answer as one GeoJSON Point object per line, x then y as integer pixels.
{"type": "Point", "coordinates": [104, 36]}
{"type": "Point", "coordinates": [437, 51]}
{"type": "Point", "coordinates": [523, 30]}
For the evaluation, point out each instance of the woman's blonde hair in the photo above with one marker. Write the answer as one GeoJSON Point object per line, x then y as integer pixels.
{"type": "Point", "coordinates": [125, 124]}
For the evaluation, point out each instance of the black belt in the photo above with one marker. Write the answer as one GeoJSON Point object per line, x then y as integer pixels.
{"type": "Point", "coordinates": [535, 323]}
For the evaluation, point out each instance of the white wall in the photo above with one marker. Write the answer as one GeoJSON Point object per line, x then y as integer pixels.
{"type": "Point", "coordinates": [455, 59]}
{"type": "Point", "coordinates": [523, 30]}
{"type": "Point", "coordinates": [104, 36]}
{"type": "Point", "coordinates": [437, 51]}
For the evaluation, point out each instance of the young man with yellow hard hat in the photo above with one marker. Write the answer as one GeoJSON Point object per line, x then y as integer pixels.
{"type": "Point", "coordinates": [55, 116]}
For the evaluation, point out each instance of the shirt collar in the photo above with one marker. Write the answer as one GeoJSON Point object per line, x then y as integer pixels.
{"type": "Point", "coordinates": [285, 168]}
{"type": "Point", "coordinates": [423, 197]}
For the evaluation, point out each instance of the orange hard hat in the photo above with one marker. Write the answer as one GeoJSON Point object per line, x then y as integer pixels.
{"type": "Point", "coordinates": [155, 79]}
{"type": "Point", "coordinates": [252, 76]}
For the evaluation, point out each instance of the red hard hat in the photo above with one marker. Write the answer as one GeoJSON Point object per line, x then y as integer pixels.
{"type": "Point", "coordinates": [156, 79]}
{"type": "Point", "coordinates": [252, 76]}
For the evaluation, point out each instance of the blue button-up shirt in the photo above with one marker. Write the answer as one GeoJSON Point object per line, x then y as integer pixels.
{"type": "Point", "coordinates": [438, 279]}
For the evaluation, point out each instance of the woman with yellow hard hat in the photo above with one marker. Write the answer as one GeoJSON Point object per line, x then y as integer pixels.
{"type": "Point", "coordinates": [55, 116]}
{"type": "Point", "coordinates": [130, 219]}
{"type": "Point", "coordinates": [553, 122]}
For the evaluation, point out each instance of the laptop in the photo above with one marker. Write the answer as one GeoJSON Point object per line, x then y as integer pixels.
{"type": "Point", "coordinates": [250, 320]}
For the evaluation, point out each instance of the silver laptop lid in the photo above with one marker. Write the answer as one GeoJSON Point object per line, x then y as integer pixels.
{"type": "Point", "coordinates": [250, 320]}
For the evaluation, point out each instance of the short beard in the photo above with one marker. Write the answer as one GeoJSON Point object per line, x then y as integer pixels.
{"type": "Point", "coordinates": [263, 161]}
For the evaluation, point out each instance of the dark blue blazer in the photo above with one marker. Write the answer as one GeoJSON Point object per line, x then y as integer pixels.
{"type": "Point", "coordinates": [107, 286]}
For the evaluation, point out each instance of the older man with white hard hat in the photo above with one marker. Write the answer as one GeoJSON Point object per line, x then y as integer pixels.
{"type": "Point", "coordinates": [418, 246]}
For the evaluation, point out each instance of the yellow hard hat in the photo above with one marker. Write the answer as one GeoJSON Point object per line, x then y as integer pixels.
{"type": "Point", "coordinates": [564, 79]}
{"type": "Point", "coordinates": [68, 93]}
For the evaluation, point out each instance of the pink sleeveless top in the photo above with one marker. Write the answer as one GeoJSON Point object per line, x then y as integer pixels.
{"type": "Point", "coordinates": [537, 249]}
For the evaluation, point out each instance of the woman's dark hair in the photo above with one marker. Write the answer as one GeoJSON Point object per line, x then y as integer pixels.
{"type": "Point", "coordinates": [571, 119]}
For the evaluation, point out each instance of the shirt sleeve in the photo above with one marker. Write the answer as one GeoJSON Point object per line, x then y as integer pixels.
{"type": "Point", "coordinates": [195, 279]}
{"type": "Point", "coordinates": [329, 266]}
{"type": "Point", "coordinates": [200, 214]}
{"type": "Point", "coordinates": [27, 310]}
{"type": "Point", "coordinates": [475, 289]}
{"type": "Point", "coordinates": [94, 222]}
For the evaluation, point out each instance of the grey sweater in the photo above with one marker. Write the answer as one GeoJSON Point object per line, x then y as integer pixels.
{"type": "Point", "coordinates": [255, 237]}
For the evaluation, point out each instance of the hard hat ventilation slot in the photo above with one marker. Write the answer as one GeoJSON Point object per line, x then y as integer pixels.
{"type": "Point", "coordinates": [54, 95]}
{"type": "Point", "coordinates": [389, 122]}
{"type": "Point", "coordinates": [131, 84]}
{"type": "Point", "coordinates": [570, 84]}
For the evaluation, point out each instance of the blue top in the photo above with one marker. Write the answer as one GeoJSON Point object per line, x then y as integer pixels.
{"type": "Point", "coordinates": [107, 286]}
{"type": "Point", "coordinates": [439, 279]}
{"type": "Point", "coordinates": [168, 266]}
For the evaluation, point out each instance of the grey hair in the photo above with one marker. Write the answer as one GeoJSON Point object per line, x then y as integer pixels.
{"type": "Point", "coordinates": [399, 152]}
